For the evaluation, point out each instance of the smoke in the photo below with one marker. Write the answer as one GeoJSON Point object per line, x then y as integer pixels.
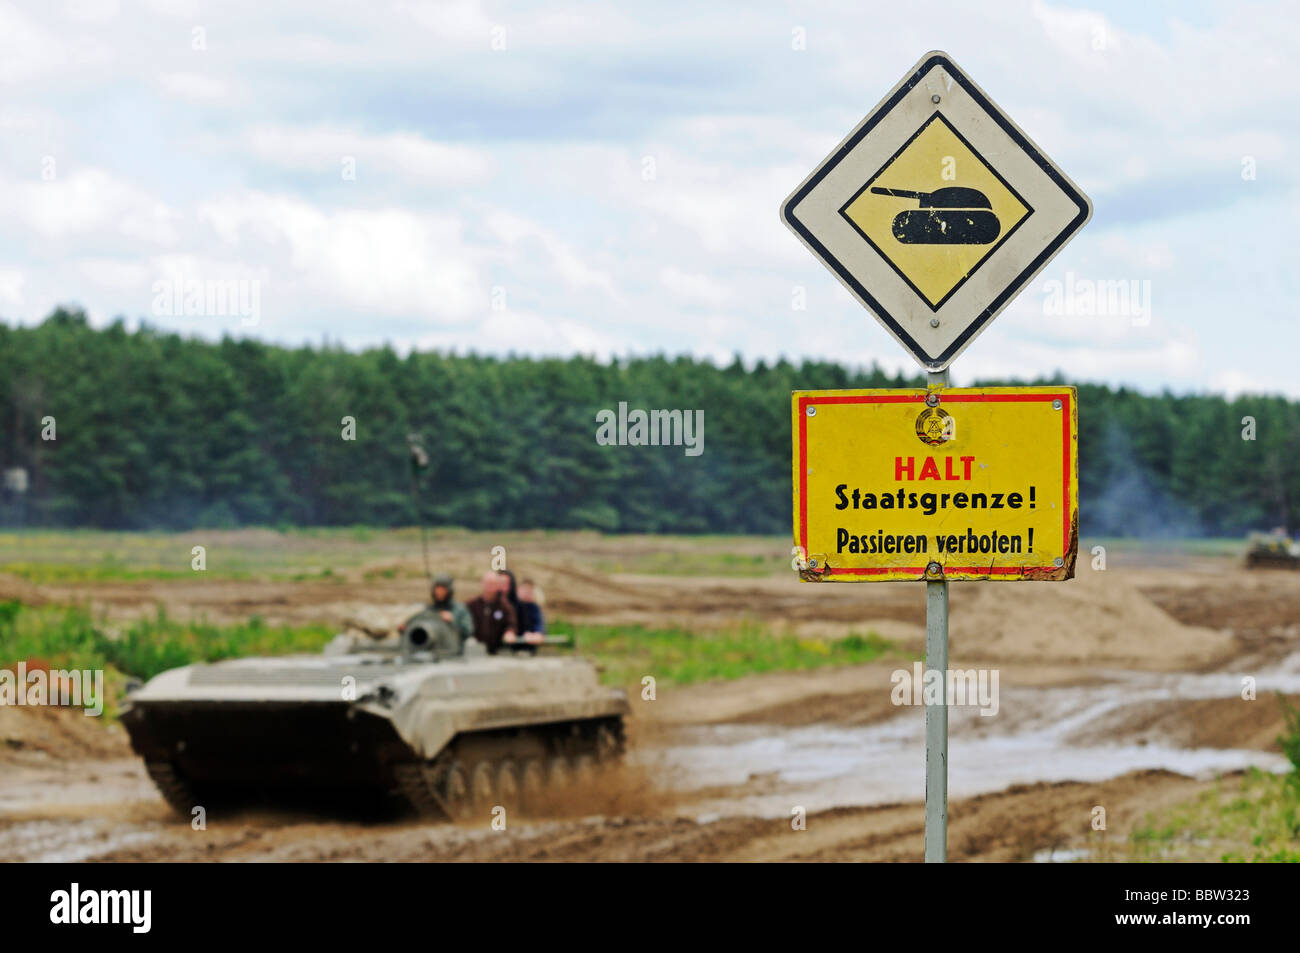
{"type": "Point", "coordinates": [1128, 500]}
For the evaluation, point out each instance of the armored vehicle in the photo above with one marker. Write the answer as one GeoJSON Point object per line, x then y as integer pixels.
{"type": "Point", "coordinates": [1272, 550]}
{"type": "Point", "coordinates": [443, 725]}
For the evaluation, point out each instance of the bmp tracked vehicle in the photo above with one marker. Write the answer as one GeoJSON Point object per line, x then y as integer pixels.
{"type": "Point", "coordinates": [448, 727]}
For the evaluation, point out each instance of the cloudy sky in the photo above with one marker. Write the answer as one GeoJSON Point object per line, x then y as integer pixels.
{"type": "Point", "coordinates": [558, 178]}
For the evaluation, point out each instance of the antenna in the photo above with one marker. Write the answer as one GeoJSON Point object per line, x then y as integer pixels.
{"type": "Point", "coordinates": [419, 461]}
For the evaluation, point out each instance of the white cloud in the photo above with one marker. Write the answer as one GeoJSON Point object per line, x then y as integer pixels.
{"type": "Point", "coordinates": [387, 260]}
{"type": "Point", "coordinates": [1233, 382]}
{"type": "Point", "coordinates": [86, 202]}
{"type": "Point", "coordinates": [28, 50]}
{"type": "Point", "coordinates": [197, 87]}
{"type": "Point", "coordinates": [116, 275]}
{"type": "Point", "coordinates": [523, 169]}
{"type": "Point", "coordinates": [730, 210]}
{"type": "Point", "coordinates": [92, 11]}
{"type": "Point", "coordinates": [463, 21]}
{"type": "Point", "coordinates": [694, 287]}
{"type": "Point", "coordinates": [525, 332]}
{"type": "Point", "coordinates": [1133, 259]}
{"type": "Point", "coordinates": [519, 232]}
{"type": "Point", "coordinates": [177, 9]}
{"type": "Point", "coordinates": [11, 287]}
{"type": "Point", "coordinates": [321, 148]}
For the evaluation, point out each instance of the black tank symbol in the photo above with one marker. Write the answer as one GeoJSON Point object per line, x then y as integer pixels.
{"type": "Point", "coordinates": [953, 215]}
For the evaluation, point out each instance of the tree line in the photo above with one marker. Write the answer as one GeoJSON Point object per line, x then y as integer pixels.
{"type": "Point", "coordinates": [153, 430]}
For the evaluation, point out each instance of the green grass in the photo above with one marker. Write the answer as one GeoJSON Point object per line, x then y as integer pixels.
{"type": "Point", "coordinates": [71, 638]}
{"type": "Point", "coordinates": [70, 574]}
{"type": "Point", "coordinates": [358, 553]}
{"type": "Point", "coordinates": [288, 554]}
{"type": "Point", "coordinates": [674, 656]}
{"type": "Point", "coordinates": [44, 573]}
{"type": "Point", "coordinates": [1252, 818]}
{"type": "Point", "coordinates": [700, 563]}
{"type": "Point", "coordinates": [1248, 818]}
{"type": "Point", "coordinates": [92, 556]}
{"type": "Point", "coordinates": [1226, 548]}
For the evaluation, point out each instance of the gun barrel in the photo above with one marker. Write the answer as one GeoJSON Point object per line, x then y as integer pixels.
{"type": "Point", "coordinates": [901, 193]}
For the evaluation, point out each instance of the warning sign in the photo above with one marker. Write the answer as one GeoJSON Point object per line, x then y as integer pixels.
{"type": "Point", "coordinates": [952, 483]}
{"type": "Point", "coordinates": [936, 211]}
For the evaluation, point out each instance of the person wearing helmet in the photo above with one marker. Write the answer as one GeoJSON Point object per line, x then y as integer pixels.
{"type": "Point", "coordinates": [450, 609]}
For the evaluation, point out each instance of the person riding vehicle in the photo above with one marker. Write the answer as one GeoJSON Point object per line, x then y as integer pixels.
{"type": "Point", "coordinates": [450, 609]}
{"type": "Point", "coordinates": [493, 615]}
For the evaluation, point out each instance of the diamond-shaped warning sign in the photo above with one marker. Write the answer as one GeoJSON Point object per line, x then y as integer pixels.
{"type": "Point", "coordinates": [936, 211]}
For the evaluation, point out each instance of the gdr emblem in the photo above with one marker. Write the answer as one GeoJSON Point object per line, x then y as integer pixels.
{"type": "Point", "coordinates": [935, 426]}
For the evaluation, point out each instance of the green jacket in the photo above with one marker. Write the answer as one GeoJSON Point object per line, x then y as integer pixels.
{"type": "Point", "coordinates": [460, 617]}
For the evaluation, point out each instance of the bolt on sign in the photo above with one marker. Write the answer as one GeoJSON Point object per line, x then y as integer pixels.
{"type": "Point", "coordinates": [936, 211]}
{"type": "Point", "coordinates": [952, 483]}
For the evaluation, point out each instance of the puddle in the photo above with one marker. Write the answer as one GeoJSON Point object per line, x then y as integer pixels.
{"type": "Point", "coordinates": [63, 842]}
{"type": "Point", "coordinates": [1068, 855]}
{"type": "Point", "coordinates": [28, 789]}
{"type": "Point", "coordinates": [1071, 855]}
{"type": "Point", "coordinates": [1039, 734]}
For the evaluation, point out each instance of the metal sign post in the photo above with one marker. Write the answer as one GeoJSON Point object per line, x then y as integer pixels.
{"type": "Point", "coordinates": [934, 213]}
{"type": "Point", "coordinates": [936, 716]}
{"type": "Point", "coordinates": [936, 485]}
{"type": "Point", "coordinates": [936, 723]}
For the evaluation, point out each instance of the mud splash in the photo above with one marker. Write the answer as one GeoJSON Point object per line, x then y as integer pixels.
{"type": "Point", "coordinates": [1075, 733]}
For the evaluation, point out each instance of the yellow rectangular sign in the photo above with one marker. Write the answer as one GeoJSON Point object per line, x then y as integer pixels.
{"type": "Point", "coordinates": [982, 481]}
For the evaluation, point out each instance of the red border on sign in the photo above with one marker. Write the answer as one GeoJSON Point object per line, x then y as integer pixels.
{"type": "Point", "coordinates": [804, 402]}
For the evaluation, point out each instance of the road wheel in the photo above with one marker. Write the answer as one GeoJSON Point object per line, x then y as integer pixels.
{"type": "Point", "coordinates": [508, 785]}
{"type": "Point", "coordinates": [455, 793]}
{"type": "Point", "coordinates": [532, 781]}
{"type": "Point", "coordinates": [607, 744]}
{"type": "Point", "coordinates": [584, 770]}
{"type": "Point", "coordinates": [558, 773]}
{"type": "Point", "coordinates": [482, 786]}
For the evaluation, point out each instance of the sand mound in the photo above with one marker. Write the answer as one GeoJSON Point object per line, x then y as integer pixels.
{"type": "Point", "coordinates": [1195, 723]}
{"type": "Point", "coordinates": [1098, 618]}
{"type": "Point", "coordinates": [58, 732]}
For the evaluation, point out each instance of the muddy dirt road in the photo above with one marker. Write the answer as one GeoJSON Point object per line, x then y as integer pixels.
{"type": "Point", "coordinates": [1122, 688]}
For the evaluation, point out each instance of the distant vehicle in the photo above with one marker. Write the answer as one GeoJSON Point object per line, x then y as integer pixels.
{"type": "Point", "coordinates": [448, 728]}
{"type": "Point", "coordinates": [1273, 550]}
